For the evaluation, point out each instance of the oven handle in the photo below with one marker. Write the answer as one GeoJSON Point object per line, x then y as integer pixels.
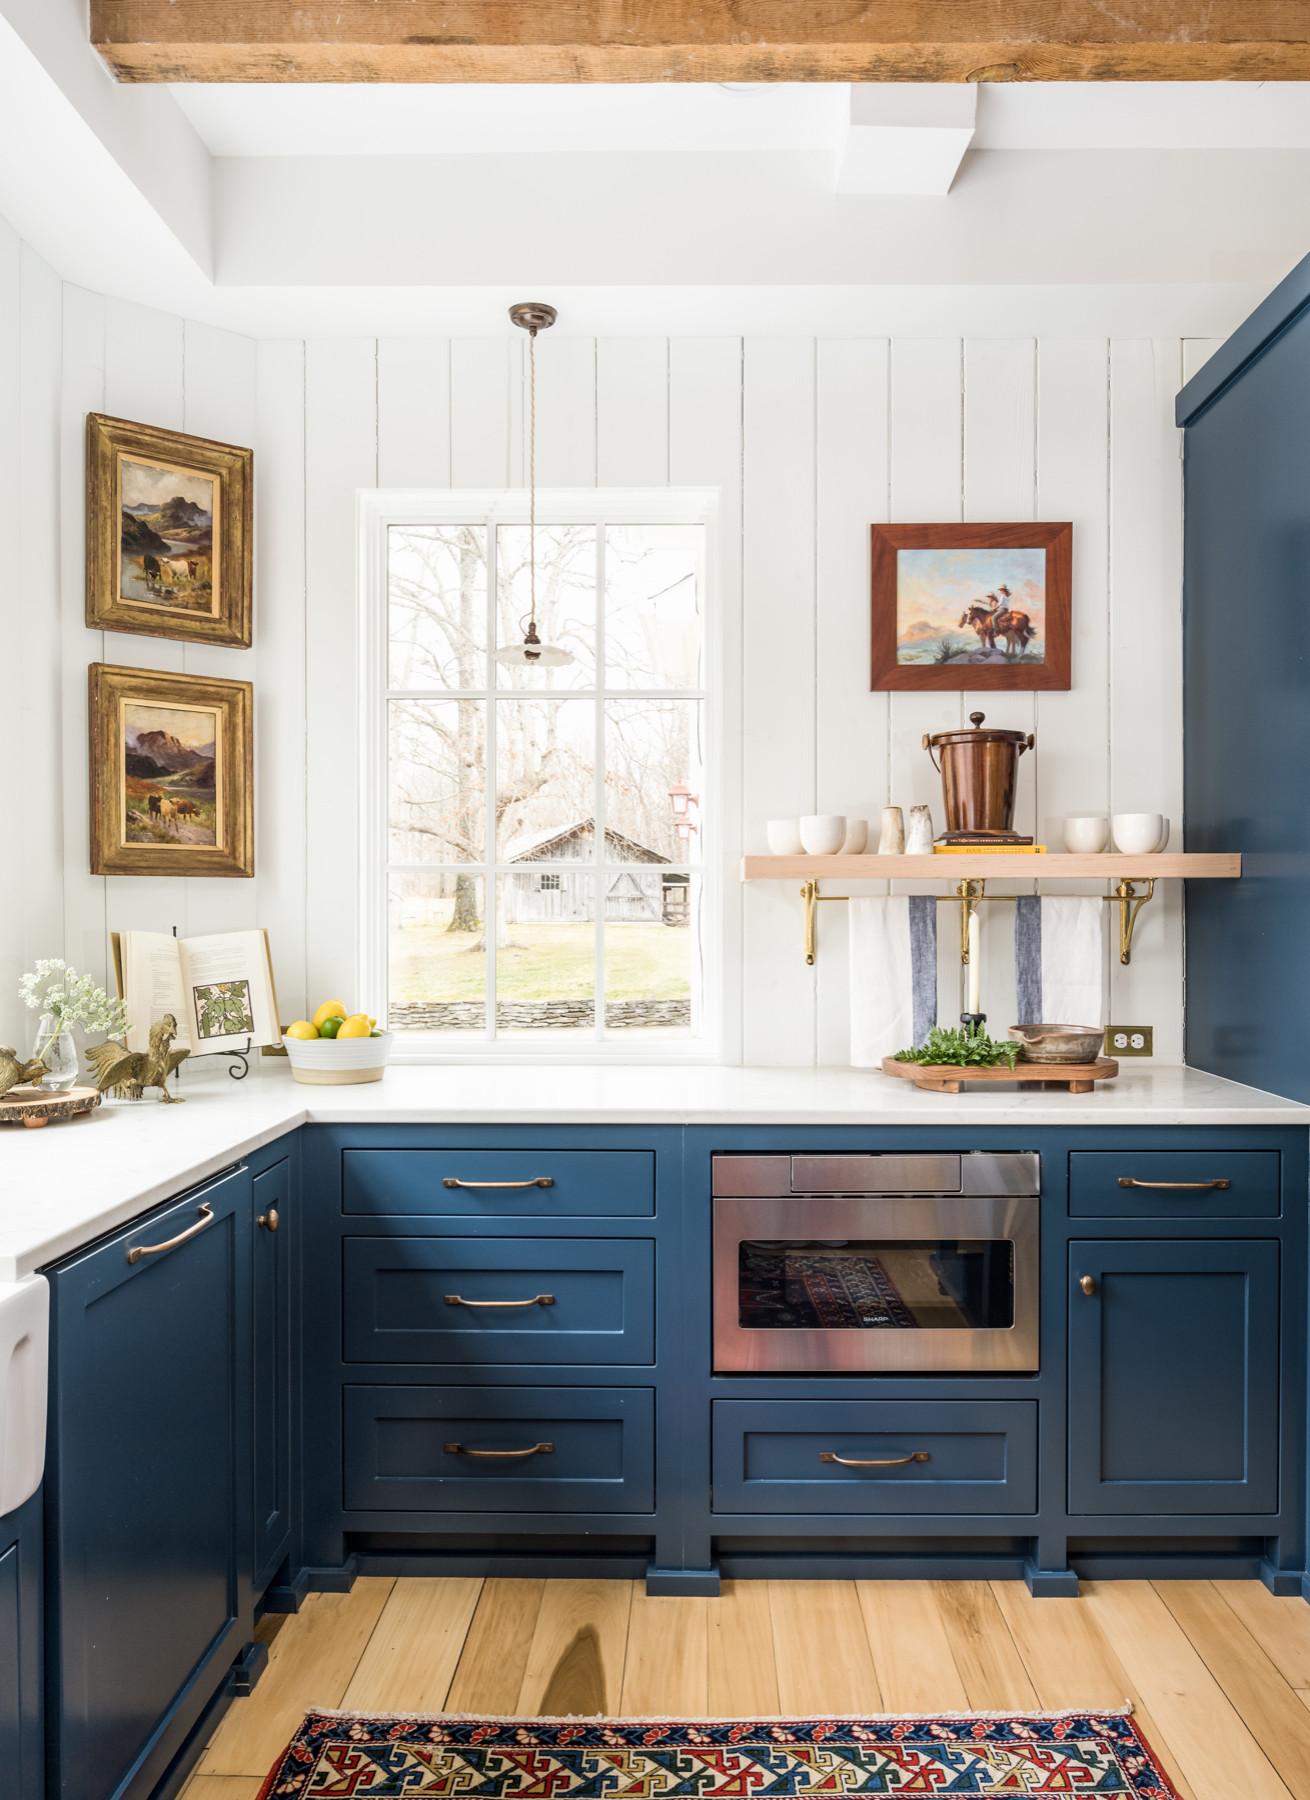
{"type": "Point", "coordinates": [873, 1462]}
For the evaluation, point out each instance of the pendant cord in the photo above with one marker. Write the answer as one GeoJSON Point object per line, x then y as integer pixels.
{"type": "Point", "coordinates": [532, 476]}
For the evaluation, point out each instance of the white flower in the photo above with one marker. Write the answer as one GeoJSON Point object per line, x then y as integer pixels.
{"type": "Point", "coordinates": [70, 999]}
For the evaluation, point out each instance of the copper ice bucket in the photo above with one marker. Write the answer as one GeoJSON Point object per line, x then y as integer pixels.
{"type": "Point", "coordinates": [980, 772]}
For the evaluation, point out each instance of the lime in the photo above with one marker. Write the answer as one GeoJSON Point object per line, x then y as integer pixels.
{"type": "Point", "coordinates": [330, 1027]}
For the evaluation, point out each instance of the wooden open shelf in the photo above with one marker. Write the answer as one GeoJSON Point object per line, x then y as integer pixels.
{"type": "Point", "coordinates": [995, 865]}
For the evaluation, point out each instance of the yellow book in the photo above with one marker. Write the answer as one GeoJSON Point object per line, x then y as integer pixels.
{"type": "Point", "coordinates": [989, 849]}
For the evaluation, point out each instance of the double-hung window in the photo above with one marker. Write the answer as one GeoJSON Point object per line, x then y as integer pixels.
{"type": "Point", "coordinates": [537, 840]}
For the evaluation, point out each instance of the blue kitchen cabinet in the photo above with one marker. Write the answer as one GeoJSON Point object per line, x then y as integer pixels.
{"type": "Point", "coordinates": [1173, 1376]}
{"type": "Point", "coordinates": [273, 1362]}
{"type": "Point", "coordinates": [22, 1751]}
{"type": "Point", "coordinates": [149, 1543]}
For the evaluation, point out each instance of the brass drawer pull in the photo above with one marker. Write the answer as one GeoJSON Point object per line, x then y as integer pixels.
{"type": "Point", "coordinates": [1088, 1284]}
{"type": "Point", "coordinates": [270, 1220]}
{"type": "Point", "coordinates": [536, 1300]}
{"type": "Point", "coordinates": [1182, 1187]}
{"type": "Point", "coordinates": [453, 1181]}
{"type": "Point", "coordinates": [499, 1455]}
{"type": "Point", "coordinates": [206, 1217]}
{"type": "Point", "coordinates": [873, 1462]}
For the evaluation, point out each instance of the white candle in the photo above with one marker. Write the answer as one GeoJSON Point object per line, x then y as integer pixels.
{"type": "Point", "coordinates": [975, 962]}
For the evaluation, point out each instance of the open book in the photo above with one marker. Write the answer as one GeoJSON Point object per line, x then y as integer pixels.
{"type": "Point", "coordinates": [219, 988]}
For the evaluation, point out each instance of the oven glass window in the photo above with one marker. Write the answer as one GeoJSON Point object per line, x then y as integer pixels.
{"type": "Point", "coordinates": [863, 1284]}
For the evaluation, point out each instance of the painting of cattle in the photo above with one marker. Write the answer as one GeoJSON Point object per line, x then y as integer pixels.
{"type": "Point", "coordinates": [171, 773]}
{"type": "Point", "coordinates": [168, 533]}
{"type": "Point", "coordinates": [971, 606]}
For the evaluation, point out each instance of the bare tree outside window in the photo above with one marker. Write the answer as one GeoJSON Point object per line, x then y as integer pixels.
{"type": "Point", "coordinates": [544, 826]}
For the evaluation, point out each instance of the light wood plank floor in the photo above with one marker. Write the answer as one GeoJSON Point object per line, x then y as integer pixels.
{"type": "Point", "coordinates": [1219, 1672]}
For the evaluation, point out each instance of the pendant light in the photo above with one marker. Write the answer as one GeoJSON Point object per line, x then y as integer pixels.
{"type": "Point", "coordinates": [532, 316]}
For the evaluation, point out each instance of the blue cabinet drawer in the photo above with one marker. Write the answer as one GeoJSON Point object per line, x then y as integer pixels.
{"type": "Point", "coordinates": [499, 1300]}
{"type": "Point", "coordinates": [531, 1450]}
{"type": "Point", "coordinates": [500, 1184]}
{"type": "Point", "coordinates": [875, 1456]}
{"type": "Point", "coordinates": [1174, 1184]}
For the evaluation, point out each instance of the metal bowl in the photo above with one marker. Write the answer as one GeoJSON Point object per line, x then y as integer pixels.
{"type": "Point", "coordinates": [1058, 1043]}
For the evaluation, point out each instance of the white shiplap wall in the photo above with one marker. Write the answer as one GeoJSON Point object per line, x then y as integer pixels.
{"type": "Point", "coordinates": [808, 442]}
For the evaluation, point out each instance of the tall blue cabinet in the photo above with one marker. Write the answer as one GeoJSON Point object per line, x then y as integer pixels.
{"type": "Point", "coordinates": [1246, 698]}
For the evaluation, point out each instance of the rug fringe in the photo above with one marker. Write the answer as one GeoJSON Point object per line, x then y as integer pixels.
{"type": "Point", "coordinates": [465, 1718]}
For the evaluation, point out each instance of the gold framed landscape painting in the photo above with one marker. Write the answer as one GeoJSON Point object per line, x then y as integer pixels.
{"type": "Point", "coordinates": [171, 774]}
{"type": "Point", "coordinates": [168, 533]}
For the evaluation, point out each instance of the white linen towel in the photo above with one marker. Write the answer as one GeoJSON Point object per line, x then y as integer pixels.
{"type": "Point", "coordinates": [1059, 960]}
{"type": "Point", "coordinates": [893, 968]}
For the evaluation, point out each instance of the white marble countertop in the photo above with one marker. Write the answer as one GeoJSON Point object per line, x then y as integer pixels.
{"type": "Point", "coordinates": [63, 1186]}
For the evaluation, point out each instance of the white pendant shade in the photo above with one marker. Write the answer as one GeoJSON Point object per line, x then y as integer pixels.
{"type": "Point", "coordinates": [533, 656]}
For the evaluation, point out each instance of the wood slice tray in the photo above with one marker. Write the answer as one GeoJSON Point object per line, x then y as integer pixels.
{"type": "Point", "coordinates": [949, 1078]}
{"type": "Point", "coordinates": [37, 1106]}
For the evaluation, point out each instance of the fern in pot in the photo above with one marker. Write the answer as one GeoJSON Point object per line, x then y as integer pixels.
{"type": "Point", "coordinates": [65, 999]}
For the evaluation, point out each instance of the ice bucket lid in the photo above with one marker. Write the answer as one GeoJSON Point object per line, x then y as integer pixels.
{"type": "Point", "coordinates": [974, 734]}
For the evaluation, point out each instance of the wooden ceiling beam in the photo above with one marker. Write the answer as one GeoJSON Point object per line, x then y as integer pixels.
{"type": "Point", "coordinates": [703, 40]}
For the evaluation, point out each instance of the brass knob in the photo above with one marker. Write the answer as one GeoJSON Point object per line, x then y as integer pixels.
{"type": "Point", "coordinates": [269, 1220]}
{"type": "Point", "coordinates": [1088, 1284]}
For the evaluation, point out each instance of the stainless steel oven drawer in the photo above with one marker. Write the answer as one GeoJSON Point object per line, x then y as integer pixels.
{"type": "Point", "coordinates": [875, 1456]}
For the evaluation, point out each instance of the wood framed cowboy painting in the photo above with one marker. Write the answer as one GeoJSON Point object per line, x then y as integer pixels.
{"type": "Point", "coordinates": [171, 774]}
{"type": "Point", "coordinates": [168, 537]}
{"type": "Point", "coordinates": [971, 606]}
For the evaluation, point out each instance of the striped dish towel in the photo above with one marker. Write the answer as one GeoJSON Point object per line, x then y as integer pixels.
{"type": "Point", "coordinates": [1059, 960]}
{"type": "Point", "coordinates": [893, 975]}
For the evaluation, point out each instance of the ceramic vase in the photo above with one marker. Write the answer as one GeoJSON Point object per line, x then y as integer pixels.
{"type": "Point", "coordinates": [891, 840]}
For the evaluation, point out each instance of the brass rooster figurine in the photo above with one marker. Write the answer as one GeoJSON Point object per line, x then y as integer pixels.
{"type": "Point", "coordinates": [122, 1071]}
{"type": "Point", "coordinates": [18, 1074]}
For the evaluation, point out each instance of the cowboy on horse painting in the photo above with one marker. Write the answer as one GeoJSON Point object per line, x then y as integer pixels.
{"type": "Point", "coordinates": [995, 618]}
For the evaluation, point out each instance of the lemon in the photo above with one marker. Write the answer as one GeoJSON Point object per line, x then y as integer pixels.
{"type": "Point", "coordinates": [354, 1028]}
{"type": "Point", "coordinates": [330, 1009]}
{"type": "Point", "coordinates": [330, 1028]}
{"type": "Point", "coordinates": [301, 1029]}
{"type": "Point", "coordinates": [359, 1019]}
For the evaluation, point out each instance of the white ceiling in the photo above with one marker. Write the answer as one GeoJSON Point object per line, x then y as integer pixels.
{"type": "Point", "coordinates": [261, 119]}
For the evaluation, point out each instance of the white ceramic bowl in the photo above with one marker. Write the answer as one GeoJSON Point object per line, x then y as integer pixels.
{"type": "Point", "coordinates": [823, 834]}
{"type": "Point", "coordinates": [1086, 834]}
{"type": "Point", "coordinates": [337, 1062]}
{"type": "Point", "coordinates": [856, 841]}
{"type": "Point", "coordinates": [1140, 834]}
{"type": "Point", "coordinates": [784, 837]}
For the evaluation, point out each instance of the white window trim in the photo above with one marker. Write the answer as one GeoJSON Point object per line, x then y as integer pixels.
{"type": "Point", "coordinates": [378, 510]}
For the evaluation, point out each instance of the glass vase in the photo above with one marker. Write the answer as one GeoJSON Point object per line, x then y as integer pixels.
{"type": "Point", "coordinates": [55, 1047]}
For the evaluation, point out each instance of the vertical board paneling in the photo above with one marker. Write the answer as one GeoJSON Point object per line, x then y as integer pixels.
{"type": "Point", "coordinates": [1073, 728]}
{"type": "Point", "coordinates": [705, 450]}
{"type": "Point", "coordinates": [632, 412]}
{"type": "Point", "coordinates": [482, 416]}
{"type": "Point", "coordinates": [14, 1028]}
{"type": "Point", "coordinates": [413, 412]}
{"type": "Point", "coordinates": [852, 723]}
{"type": "Point", "coordinates": [779, 705]}
{"type": "Point", "coordinates": [566, 411]}
{"type": "Point", "coordinates": [340, 458]}
{"type": "Point", "coordinates": [926, 485]}
{"type": "Point", "coordinates": [999, 483]}
{"type": "Point", "coordinates": [281, 648]}
{"type": "Point", "coordinates": [36, 645]}
{"type": "Point", "coordinates": [85, 899]}
{"type": "Point", "coordinates": [220, 402]}
{"type": "Point", "coordinates": [1145, 667]}
{"type": "Point", "coordinates": [144, 380]}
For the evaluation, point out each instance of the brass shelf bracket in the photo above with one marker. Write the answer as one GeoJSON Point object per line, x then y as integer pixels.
{"type": "Point", "coordinates": [1130, 905]}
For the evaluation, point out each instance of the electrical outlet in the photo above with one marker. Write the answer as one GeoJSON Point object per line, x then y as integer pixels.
{"type": "Point", "coordinates": [1130, 1040]}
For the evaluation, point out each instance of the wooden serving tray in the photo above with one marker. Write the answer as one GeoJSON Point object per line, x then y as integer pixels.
{"type": "Point", "coordinates": [37, 1106]}
{"type": "Point", "coordinates": [949, 1078]}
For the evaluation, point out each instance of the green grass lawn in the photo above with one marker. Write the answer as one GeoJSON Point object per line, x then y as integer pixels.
{"type": "Point", "coordinates": [541, 962]}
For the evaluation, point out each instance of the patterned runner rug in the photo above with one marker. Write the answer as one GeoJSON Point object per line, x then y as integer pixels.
{"type": "Point", "coordinates": [1008, 1755]}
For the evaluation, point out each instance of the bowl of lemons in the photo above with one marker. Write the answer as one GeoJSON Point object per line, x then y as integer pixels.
{"type": "Point", "coordinates": [336, 1047]}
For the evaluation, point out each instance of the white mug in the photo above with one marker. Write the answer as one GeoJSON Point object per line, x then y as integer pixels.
{"type": "Point", "coordinates": [784, 837]}
{"type": "Point", "coordinates": [857, 837]}
{"type": "Point", "coordinates": [1086, 834]}
{"type": "Point", "coordinates": [1140, 834]}
{"type": "Point", "coordinates": [823, 834]}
